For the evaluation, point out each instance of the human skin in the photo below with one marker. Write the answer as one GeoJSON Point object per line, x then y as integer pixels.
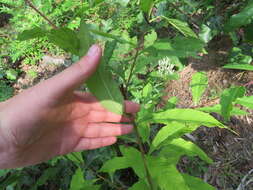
{"type": "Point", "coordinates": [52, 119]}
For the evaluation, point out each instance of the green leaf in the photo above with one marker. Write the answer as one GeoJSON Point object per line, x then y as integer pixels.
{"type": "Point", "coordinates": [31, 34]}
{"type": "Point", "coordinates": [227, 98]}
{"type": "Point", "coordinates": [171, 131]}
{"type": "Point", "coordinates": [217, 109]}
{"type": "Point", "coordinates": [198, 85]}
{"type": "Point", "coordinates": [134, 158]}
{"type": "Point", "coordinates": [185, 47]}
{"type": "Point", "coordinates": [179, 147]}
{"type": "Point", "coordinates": [114, 164]}
{"type": "Point", "coordinates": [11, 74]}
{"type": "Point", "coordinates": [79, 183]}
{"type": "Point", "coordinates": [165, 173]}
{"type": "Point", "coordinates": [241, 19]}
{"type": "Point", "coordinates": [239, 67]}
{"type": "Point", "coordinates": [107, 35]}
{"type": "Point", "coordinates": [246, 101]}
{"type": "Point", "coordinates": [179, 47]}
{"type": "Point", "coordinates": [102, 85]}
{"type": "Point", "coordinates": [85, 38]}
{"type": "Point", "coordinates": [171, 103]}
{"type": "Point", "coordinates": [146, 6]}
{"type": "Point", "coordinates": [196, 183]}
{"type": "Point", "coordinates": [131, 158]}
{"type": "Point", "coordinates": [147, 90]}
{"type": "Point", "coordinates": [150, 38]}
{"type": "Point", "coordinates": [205, 34]}
{"type": "Point", "coordinates": [140, 185]}
{"type": "Point", "coordinates": [181, 26]}
{"type": "Point", "coordinates": [76, 157]}
{"type": "Point", "coordinates": [144, 130]}
{"type": "Point", "coordinates": [185, 116]}
{"type": "Point", "coordinates": [66, 39]}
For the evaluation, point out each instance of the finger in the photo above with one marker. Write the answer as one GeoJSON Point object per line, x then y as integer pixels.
{"type": "Point", "coordinates": [95, 130]}
{"type": "Point", "coordinates": [103, 116]}
{"type": "Point", "coordinates": [93, 143]}
{"type": "Point", "coordinates": [75, 75]}
{"type": "Point", "coordinates": [131, 107]}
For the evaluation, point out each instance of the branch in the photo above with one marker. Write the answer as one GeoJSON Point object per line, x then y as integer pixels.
{"type": "Point", "coordinates": [41, 14]}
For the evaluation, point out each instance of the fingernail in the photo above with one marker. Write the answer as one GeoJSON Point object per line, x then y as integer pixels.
{"type": "Point", "coordinates": [93, 50]}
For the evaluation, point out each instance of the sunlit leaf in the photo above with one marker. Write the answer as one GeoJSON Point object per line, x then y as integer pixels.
{"type": "Point", "coordinates": [179, 147]}
{"type": "Point", "coordinates": [164, 171]}
{"type": "Point", "coordinates": [147, 90]}
{"type": "Point", "coordinates": [246, 101]}
{"type": "Point", "coordinates": [227, 98]}
{"type": "Point", "coordinates": [196, 183]}
{"type": "Point", "coordinates": [171, 131]}
{"type": "Point", "coordinates": [185, 116]}
{"type": "Point", "coordinates": [239, 67]}
{"type": "Point", "coordinates": [198, 85]}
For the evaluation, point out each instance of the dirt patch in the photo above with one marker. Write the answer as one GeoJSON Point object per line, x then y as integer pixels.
{"type": "Point", "coordinates": [46, 68]}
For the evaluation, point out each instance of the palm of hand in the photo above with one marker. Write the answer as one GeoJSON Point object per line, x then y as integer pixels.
{"type": "Point", "coordinates": [52, 119]}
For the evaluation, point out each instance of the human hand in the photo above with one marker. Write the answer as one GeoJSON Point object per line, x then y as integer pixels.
{"type": "Point", "coordinates": [52, 119]}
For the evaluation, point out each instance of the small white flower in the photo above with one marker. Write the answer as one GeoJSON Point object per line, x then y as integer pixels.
{"type": "Point", "coordinates": [165, 67]}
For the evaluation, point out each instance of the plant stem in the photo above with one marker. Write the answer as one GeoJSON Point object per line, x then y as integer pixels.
{"type": "Point", "coordinates": [41, 14]}
{"type": "Point", "coordinates": [139, 141]}
{"type": "Point", "coordinates": [132, 69]}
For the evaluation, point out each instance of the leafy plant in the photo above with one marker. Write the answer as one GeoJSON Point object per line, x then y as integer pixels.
{"type": "Point", "coordinates": [138, 60]}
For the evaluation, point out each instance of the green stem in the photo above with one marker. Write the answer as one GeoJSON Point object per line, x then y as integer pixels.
{"type": "Point", "coordinates": [132, 69]}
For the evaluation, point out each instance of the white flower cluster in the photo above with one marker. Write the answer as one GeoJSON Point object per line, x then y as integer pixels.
{"type": "Point", "coordinates": [165, 67]}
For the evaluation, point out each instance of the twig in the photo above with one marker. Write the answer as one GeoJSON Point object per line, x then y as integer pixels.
{"type": "Point", "coordinates": [41, 14]}
{"type": "Point", "coordinates": [139, 141]}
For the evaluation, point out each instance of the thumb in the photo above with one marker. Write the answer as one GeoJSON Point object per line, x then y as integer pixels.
{"type": "Point", "coordinates": [75, 75]}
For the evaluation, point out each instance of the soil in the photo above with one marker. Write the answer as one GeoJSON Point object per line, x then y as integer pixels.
{"type": "Point", "coordinates": [232, 154]}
